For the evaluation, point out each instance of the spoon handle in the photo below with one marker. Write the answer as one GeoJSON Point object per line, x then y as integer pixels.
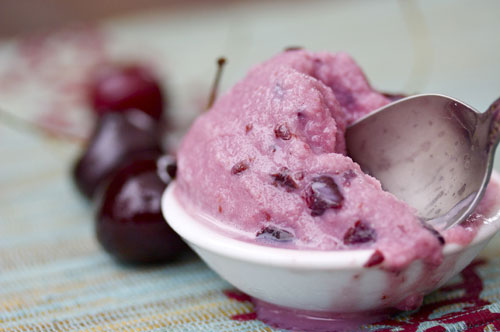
{"type": "Point", "coordinates": [493, 114]}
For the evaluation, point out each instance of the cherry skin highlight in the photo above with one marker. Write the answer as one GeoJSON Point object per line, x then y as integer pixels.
{"type": "Point", "coordinates": [323, 193]}
{"type": "Point", "coordinates": [118, 137]}
{"type": "Point", "coordinates": [115, 88]}
{"type": "Point", "coordinates": [129, 222]}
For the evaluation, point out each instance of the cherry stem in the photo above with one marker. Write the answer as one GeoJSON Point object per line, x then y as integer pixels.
{"type": "Point", "coordinates": [20, 124]}
{"type": "Point", "coordinates": [293, 48]}
{"type": "Point", "coordinates": [215, 86]}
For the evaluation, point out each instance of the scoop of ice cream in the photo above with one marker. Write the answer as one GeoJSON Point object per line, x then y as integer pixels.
{"type": "Point", "coordinates": [268, 162]}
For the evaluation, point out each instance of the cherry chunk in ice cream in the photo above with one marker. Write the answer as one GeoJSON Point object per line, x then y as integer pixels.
{"type": "Point", "coordinates": [268, 161]}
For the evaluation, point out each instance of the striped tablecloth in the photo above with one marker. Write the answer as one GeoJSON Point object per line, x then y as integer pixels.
{"type": "Point", "coordinates": [54, 276]}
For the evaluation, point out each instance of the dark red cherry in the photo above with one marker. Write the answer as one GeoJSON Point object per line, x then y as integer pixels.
{"type": "Point", "coordinates": [284, 180]}
{"type": "Point", "coordinates": [117, 138]}
{"type": "Point", "coordinates": [121, 87]}
{"type": "Point", "coordinates": [282, 131]}
{"type": "Point", "coordinates": [360, 233]}
{"type": "Point", "coordinates": [239, 167]}
{"type": "Point", "coordinates": [167, 168]}
{"type": "Point", "coordinates": [322, 194]}
{"type": "Point", "coordinates": [274, 233]}
{"type": "Point", "coordinates": [375, 259]}
{"type": "Point", "coordinates": [129, 222]}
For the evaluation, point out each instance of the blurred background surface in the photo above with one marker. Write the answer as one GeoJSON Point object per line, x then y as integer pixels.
{"type": "Point", "coordinates": [408, 46]}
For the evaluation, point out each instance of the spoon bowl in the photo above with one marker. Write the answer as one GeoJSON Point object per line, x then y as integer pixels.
{"type": "Point", "coordinates": [317, 290]}
{"type": "Point", "coordinates": [432, 151]}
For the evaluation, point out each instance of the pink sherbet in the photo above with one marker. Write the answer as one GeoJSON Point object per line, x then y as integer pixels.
{"type": "Point", "coordinates": [268, 164]}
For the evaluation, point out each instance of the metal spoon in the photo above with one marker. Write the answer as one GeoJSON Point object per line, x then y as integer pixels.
{"type": "Point", "coordinates": [432, 151]}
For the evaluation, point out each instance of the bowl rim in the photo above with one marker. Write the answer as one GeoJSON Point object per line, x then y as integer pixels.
{"type": "Point", "coordinates": [201, 235]}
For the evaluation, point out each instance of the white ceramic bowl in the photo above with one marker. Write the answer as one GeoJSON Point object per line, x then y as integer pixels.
{"type": "Point", "coordinates": [317, 281]}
